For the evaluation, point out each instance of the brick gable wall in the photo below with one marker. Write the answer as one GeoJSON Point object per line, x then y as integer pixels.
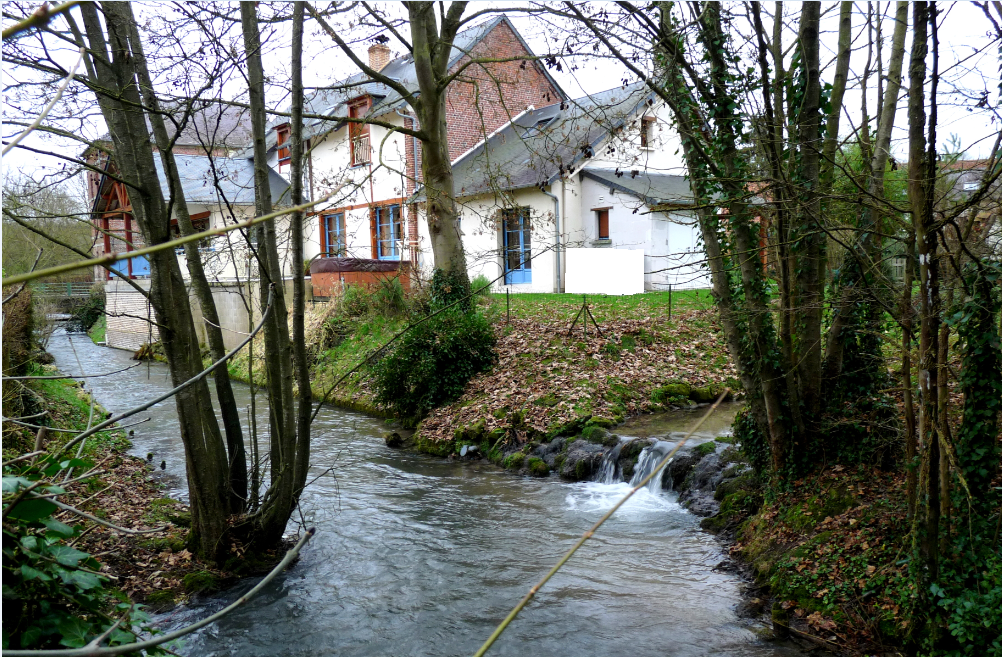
{"type": "Point", "coordinates": [486, 96]}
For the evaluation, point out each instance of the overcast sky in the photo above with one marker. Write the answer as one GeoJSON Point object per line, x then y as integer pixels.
{"type": "Point", "coordinates": [964, 31]}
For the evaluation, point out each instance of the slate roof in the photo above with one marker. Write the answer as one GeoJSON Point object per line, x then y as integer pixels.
{"type": "Point", "coordinates": [333, 100]}
{"type": "Point", "coordinates": [538, 145]}
{"type": "Point", "coordinates": [652, 188]}
{"type": "Point", "coordinates": [236, 180]}
{"type": "Point", "coordinates": [221, 125]}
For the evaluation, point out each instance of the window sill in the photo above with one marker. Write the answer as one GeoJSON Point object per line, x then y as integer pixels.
{"type": "Point", "coordinates": [647, 148]}
{"type": "Point", "coordinates": [359, 165]}
{"type": "Point", "coordinates": [602, 241]}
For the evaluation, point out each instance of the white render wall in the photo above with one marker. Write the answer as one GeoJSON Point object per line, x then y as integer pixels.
{"type": "Point", "coordinates": [664, 155]}
{"type": "Point", "coordinates": [383, 179]}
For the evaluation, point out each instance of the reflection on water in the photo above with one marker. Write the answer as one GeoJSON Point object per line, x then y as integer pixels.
{"type": "Point", "coordinates": [416, 555]}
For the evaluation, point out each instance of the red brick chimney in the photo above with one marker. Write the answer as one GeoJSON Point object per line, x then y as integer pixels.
{"type": "Point", "coordinates": [379, 56]}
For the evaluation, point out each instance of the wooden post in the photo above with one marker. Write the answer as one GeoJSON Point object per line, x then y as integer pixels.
{"type": "Point", "coordinates": [507, 300]}
{"type": "Point", "coordinates": [669, 301]}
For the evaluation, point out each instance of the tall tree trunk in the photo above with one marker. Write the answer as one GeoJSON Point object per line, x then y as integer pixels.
{"type": "Point", "coordinates": [111, 64]}
{"type": "Point", "coordinates": [812, 261]}
{"type": "Point", "coordinates": [302, 365]}
{"type": "Point", "coordinates": [920, 195]}
{"type": "Point", "coordinates": [280, 499]}
{"type": "Point", "coordinates": [432, 51]}
{"type": "Point", "coordinates": [200, 284]}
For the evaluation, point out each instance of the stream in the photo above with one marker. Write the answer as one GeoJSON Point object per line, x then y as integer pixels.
{"type": "Point", "coordinates": [416, 555]}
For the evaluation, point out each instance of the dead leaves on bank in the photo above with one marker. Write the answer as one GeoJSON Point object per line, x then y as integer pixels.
{"type": "Point", "coordinates": [549, 378]}
{"type": "Point", "coordinates": [139, 565]}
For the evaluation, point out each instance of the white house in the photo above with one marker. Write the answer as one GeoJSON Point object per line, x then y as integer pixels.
{"type": "Point", "coordinates": [580, 174]}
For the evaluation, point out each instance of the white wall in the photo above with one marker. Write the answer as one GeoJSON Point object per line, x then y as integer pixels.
{"type": "Point", "coordinates": [670, 241]}
{"type": "Point", "coordinates": [383, 179]}
{"type": "Point", "coordinates": [605, 271]}
{"type": "Point", "coordinates": [663, 155]}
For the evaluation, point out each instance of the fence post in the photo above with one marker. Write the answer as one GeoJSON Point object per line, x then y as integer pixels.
{"type": "Point", "coordinates": [669, 301]}
{"type": "Point", "coordinates": [507, 302]}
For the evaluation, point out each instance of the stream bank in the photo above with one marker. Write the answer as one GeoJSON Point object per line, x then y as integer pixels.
{"type": "Point", "coordinates": [128, 490]}
{"type": "Point", "coordinates": [417, 555]}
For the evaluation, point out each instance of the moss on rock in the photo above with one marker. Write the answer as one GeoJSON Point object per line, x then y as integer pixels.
{"type": "Point", "coordinates": [514, 461]}
{"type": "Point", "coordinates": [538, 468]}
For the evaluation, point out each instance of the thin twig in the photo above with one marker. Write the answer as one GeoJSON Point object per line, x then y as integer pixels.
{"type": "Point", "coordinates": [38, 18]}
{"type": "Point", "coordinates": [109, 525]}
{"type": "Point", "coordinates": [48, 108]}
{"type": "Point", "coordinates": [64, 376]}
{"type": "Point", "coordinates": [591, 532]}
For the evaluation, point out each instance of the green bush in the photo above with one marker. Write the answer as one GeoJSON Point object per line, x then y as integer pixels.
{"type": "Point", "coordinates": [433, 362]}
{"type": "Point", "coordinates": [86, 314]}
{"type": "Point", "coordinates": [355, 301]}
{"type": "Point", "coordinates": [481, 285]}
{"type": "Point", "coordinates": [390, 297]}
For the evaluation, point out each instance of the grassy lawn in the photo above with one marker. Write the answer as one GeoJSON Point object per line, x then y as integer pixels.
{"type": "Point", "coordinates": [563, 307]}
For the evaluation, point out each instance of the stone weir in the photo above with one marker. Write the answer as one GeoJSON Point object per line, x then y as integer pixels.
{"type": "Point", "coordinates": [702, 472]}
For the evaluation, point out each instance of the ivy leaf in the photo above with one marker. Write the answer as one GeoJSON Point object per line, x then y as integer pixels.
{"type": "Point", "coordinates": [58, 528]}
{"type": "Point", "coordinates": [74, 632]}
{"type": "Point", "coordinates": [66, 555]}
{"type": "Point", "coordinates": [32, 510]}
{"type": "Point", "coordinates": [13, 484]}
{"type": "Point", "coordinates": [84, 581]}
{"type": "Point", "coordinates": [31, 636]}
{"type": "Point", "coordinates": [29, 543]}
{"type": "Point", "coordinates": [29, 573]}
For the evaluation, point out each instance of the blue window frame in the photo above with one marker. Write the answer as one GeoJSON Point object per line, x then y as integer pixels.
{"type": "Point", "coordinates": [388, 232]}
{"type": "Point", "coordinates": [334, 234]}
{"type": "Point", "coordinates": [140, 266]}
{"type": "Point", "coordinates": [516, 233]}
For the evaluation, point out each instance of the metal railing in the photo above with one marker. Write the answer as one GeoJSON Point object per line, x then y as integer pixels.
{"type": "Point", "coordinates": [360, 150]}
{"type": "Point", "coordinates": [75, 290]}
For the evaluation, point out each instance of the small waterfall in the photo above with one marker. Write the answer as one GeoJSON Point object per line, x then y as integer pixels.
{"type": "Point", "coordinates": [608, 472]}
{"type": "Point", "coordinates": [648, 460]}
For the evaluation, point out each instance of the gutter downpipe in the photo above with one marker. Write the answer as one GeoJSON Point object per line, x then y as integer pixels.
{"type": "Point", "coordinates": [556, 214]}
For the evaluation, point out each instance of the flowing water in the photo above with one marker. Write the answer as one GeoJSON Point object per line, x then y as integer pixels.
{"type": "Point", "coordinates": [416, 555]}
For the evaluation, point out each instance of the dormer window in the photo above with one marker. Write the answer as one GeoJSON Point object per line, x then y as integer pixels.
{"type": "Point", "coordinates": [647, 132]}
{"type": "Point", "coordinates": [284, 154]}
{"type": "Point", "coordinates": [358, 133]}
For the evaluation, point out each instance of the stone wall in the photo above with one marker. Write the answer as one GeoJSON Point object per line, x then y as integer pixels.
{"type": "Point", "coordinates": [130, 319]}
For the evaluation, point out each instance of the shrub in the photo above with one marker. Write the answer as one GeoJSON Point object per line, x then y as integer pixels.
{"type": "Point", "coordinates": [433, 362]}
{"type": "Point", "coordinates": [18, 332]}
{"type": "Point", "coordinates": [389, 297]}
{"type": "Point", "coordinates": [355, 301]}
{"type": "Point", "coordinates": [481, 285]}
{"type": "Point", "coordinates": [86, 314]}
{"type": "Point", "coordinates": [54, 595]}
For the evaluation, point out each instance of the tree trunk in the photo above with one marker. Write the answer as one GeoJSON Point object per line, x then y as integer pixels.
{"type": "Point", "coordinates": [920, 192]}
{"type": "Point", "coordinates": [432, 50]}
{"type": "Point", "coordinates": [205, 455]}
{"type": "Point", "coordinates": [302, 365]}
{"type": "Point", "coordinates": [279, 501]}
{"type": "Point", "coordinates": [199, 282]}
{"type": "Point", "coordinates": [811, 263]}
